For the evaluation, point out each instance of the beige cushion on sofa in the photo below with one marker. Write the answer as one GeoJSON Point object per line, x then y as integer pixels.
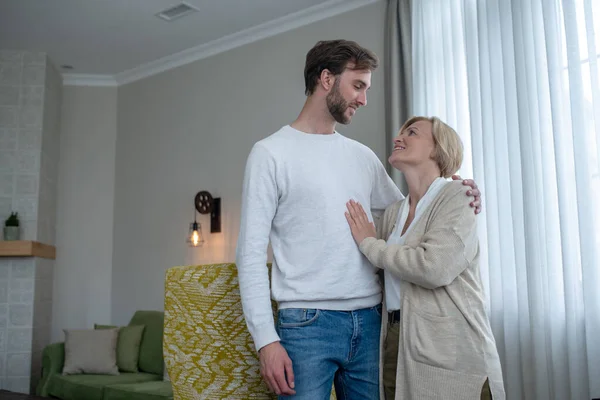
{"type": "Point", "coordinates": [91, 351]}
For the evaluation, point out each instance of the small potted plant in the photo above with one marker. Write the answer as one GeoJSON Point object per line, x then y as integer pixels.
{"type": "Point", "coordinates": [11, 227]}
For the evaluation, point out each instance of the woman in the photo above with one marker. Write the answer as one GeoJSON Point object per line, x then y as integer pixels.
{"type": "Point", "coordinates": [438, 341]}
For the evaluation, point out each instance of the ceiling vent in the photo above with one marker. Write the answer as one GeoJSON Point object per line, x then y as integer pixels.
{"type": "Point", "coordinates": [176, 11]}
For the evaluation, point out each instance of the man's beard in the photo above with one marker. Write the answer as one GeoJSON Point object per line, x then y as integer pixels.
{"type": "Point", "coordinates": [337, 105]}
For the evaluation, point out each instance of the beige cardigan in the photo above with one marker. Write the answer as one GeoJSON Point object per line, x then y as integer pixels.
{"type": "Point", "coordinates": [447, 349]}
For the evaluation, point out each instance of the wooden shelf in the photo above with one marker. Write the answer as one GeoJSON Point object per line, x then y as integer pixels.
{"type": "Point", "coordinates": [26, 248]}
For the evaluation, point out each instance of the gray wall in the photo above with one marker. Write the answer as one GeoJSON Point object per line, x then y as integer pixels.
{"type": "Point", "coordinates": [191, 129]}
{"type": "Point", "coordinates": [82, 287]}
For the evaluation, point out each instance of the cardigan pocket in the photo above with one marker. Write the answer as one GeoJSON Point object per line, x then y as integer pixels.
{"type": "Point", "coordinates": [432, 339]}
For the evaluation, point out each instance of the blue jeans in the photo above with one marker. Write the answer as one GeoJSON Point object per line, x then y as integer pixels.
{"type": "Point", "coordinates": [332, 347]}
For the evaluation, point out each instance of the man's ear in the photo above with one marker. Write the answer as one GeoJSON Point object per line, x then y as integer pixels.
{"type": "Point", "coordinates": [327, 79]}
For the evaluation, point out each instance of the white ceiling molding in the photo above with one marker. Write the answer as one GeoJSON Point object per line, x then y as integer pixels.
{"type": "Point", "coordinates": [289, 22]}
{"type": "Point", "coordinates": [88, 80]}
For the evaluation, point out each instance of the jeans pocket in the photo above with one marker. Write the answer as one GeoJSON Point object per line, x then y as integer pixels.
{"type": "Point", "coordinates": [378, 309]}
{"type": "Point", "coordinates": [297, 317]}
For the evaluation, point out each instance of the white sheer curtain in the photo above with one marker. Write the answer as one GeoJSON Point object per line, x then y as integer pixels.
{"type": "Point", "coordinates": [519, 80]}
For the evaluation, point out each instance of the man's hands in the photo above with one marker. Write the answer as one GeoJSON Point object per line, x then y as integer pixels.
{"type": "Point", "coordinates": [476, 203]}
{"type": "Point", "coordinates": [276, 369]}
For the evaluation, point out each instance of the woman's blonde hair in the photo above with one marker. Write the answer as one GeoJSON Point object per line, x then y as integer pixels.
{"type": "Point", "coordinates": [448, 148]}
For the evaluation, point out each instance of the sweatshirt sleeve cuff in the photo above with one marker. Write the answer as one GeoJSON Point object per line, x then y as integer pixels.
{"type": "Point", "coordinates": [264, 336]}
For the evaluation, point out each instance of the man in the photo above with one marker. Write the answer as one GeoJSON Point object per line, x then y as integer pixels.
{"type": "Point", "coordinates": [296, 185]}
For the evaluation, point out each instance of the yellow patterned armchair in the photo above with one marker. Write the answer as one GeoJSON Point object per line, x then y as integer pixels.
{"type": "Point", "coordinates": [208, 351]}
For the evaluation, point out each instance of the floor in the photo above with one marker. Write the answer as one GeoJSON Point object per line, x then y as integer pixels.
{"type": "Point", "coordinates": [6, 395]}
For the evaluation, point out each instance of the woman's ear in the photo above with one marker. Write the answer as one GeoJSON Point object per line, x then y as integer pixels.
{"type": "Point", "coordinates": [435, 158]}
{"type": "Point", "coordinates": [433, 155]}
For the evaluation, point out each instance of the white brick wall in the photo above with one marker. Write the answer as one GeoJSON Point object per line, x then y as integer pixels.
{"type": "Point", "coordinates": [30, 101]}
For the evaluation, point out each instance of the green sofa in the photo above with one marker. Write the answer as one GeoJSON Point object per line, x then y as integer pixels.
{"type": "Point", "coordinates": [148, 384]}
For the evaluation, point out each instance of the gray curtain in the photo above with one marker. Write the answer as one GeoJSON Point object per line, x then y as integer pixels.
{"type": "Point", "coordinates": [398, 80]}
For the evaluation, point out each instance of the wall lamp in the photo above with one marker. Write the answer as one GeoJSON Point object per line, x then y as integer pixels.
{"type": "Point", "coordinates": [204, 203]}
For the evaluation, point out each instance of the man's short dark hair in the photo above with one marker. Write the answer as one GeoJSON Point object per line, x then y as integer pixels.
{"type": "Point", "coordinates": [334, 55]}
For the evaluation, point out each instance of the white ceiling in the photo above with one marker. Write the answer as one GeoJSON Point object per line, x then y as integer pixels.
{"type": "Point", "coordinates": [112, 37]}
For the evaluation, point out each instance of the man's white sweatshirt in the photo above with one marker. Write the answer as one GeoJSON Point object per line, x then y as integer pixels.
{"type": "Point", "coordinates": [296, 186]}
